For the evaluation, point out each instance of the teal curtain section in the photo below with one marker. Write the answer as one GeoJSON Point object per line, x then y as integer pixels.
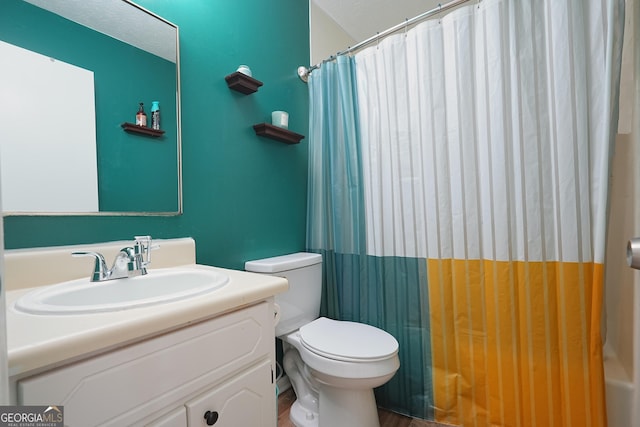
{"type": "Point", "coordinates": [386, 292]}
{"type": "Point", "coordinates": [335, 197]}
{"type": "Point", "coordinates": [389, 293]}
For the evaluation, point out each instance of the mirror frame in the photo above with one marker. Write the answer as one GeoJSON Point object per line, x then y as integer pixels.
{"type": "Point", "coordinates": [179, 210]}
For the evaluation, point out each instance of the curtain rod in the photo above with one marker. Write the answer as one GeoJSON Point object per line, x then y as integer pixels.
{"type": "Point", "coordinates": [303, 72]}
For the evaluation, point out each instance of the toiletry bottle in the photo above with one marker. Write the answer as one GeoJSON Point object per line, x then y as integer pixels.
{"type": "Point", "coordinates": [141, 117]}
{"type": "Point", "coordinates": [155, 115]}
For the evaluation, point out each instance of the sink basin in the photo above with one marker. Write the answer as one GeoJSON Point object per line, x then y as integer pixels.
{"type": "Point", "coordinates": [156, 287]}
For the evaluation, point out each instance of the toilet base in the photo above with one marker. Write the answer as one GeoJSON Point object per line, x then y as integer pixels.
{"type": "Point", "coordinates": [347, 407]}
{"type": "Point", "coordinates": [338, 408]}
{"type": "Point", "coordinates": [302, 417]}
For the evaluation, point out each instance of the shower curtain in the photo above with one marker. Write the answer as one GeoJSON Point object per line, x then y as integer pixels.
{"type": "Point", "coordinates": [458, 193]}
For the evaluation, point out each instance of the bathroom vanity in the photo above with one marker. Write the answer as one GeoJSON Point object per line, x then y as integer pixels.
{"type": "Point", "coordinates": [203, 360]}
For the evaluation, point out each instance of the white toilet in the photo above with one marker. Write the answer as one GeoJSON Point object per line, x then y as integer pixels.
{"type": "Point", "coordinates": [333, 365]}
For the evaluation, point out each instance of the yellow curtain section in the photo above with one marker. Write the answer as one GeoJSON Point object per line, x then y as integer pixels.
{"type": "Point", "coordinates": [516, 343]}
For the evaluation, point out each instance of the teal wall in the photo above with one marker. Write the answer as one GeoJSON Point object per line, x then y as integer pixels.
{"type": "Point", "coordinates": [244, 196]}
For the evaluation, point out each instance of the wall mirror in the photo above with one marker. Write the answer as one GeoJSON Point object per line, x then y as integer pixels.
{"type": "Point", "coordinates": [74, 73]}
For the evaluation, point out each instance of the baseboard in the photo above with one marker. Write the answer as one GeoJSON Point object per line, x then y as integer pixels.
{"type": "Point", "coordinates": [283, 383]}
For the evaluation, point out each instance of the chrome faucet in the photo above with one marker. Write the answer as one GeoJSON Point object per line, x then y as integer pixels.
{"type": "Point", "coordinates": [131, 261]}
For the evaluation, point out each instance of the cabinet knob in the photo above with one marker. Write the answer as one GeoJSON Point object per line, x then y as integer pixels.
{"type": "Point", "coordinates": [211, 417]}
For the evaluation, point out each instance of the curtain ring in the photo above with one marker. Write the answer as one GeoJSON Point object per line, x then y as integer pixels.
{"type": "Point", "coordinates": [378, 40]}
{"type": "Point", "coordinates": [406, 26]}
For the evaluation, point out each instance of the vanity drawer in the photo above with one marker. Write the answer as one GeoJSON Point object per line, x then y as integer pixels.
{"type": "Point", "coordinates": [146, 377]}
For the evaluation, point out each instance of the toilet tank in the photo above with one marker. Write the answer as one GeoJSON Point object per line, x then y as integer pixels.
{"type": "Point", "coordinates": [301, 303]}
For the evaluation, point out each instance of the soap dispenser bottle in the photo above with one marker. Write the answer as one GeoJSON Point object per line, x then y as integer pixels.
{"type": "Point", "coordinates": [141, 116]}
{"type": "Point", "coordinates": [155, 115]}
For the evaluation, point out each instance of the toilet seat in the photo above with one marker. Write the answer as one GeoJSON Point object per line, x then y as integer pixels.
{"type": "Point", "coordinates": [347, 341]}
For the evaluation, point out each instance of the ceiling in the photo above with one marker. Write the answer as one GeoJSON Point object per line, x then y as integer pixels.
{"type": "Point", "coordinates": [120, 20]}
{"type": "Point", "coordinates": [362, 19]}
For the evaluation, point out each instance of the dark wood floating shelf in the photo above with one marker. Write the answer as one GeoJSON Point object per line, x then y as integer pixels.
{"type": "Point", "coordinates": [277, 133]}
{"type": "Point", "coordinates": [242, 83]}
{"type": "Point", "coordinates": [130, 127]}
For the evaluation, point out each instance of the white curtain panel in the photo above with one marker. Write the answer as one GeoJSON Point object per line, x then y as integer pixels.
{"type": "Point", "coordinates": [486, 134]}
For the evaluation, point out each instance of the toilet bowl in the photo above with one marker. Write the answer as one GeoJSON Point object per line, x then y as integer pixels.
{"type": "Point", "coordinates": [345, 361]}
{"type": "Point", "coordinates": [333, 365]}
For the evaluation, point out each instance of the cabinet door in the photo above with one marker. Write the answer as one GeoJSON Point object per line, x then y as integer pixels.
{"type": "Point", "coordinates": [248, 399]}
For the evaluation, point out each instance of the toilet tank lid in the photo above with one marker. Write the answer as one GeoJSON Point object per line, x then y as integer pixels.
{"type": "Point", "coordinates": [283, 262]}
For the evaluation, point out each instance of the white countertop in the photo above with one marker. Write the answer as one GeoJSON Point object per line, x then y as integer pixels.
{"type": "Point", "coordinates": [36, 342]}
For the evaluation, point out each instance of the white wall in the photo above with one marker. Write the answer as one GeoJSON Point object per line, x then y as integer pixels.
{"type": "Point", "coordinates": [327, 38]}
{"type": "Point", "coordinates": [51, 150]}
{"type": "Point", "coordinates": [622, 300]}
{"type": "Point", "coordinates": [619, 278]}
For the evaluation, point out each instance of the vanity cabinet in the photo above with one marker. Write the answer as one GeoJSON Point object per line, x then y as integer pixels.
{"type": "Point", "coordinates": [215, 372]}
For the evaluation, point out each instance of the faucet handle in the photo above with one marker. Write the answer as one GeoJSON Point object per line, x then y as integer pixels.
{"type": "Point", "coordinates": [100, 269]}
{"type": "Point", "coordinates": [143, 246]}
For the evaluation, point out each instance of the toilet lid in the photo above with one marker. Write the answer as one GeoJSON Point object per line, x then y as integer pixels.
{"type": "Point", "coordinates": [347, 341]}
